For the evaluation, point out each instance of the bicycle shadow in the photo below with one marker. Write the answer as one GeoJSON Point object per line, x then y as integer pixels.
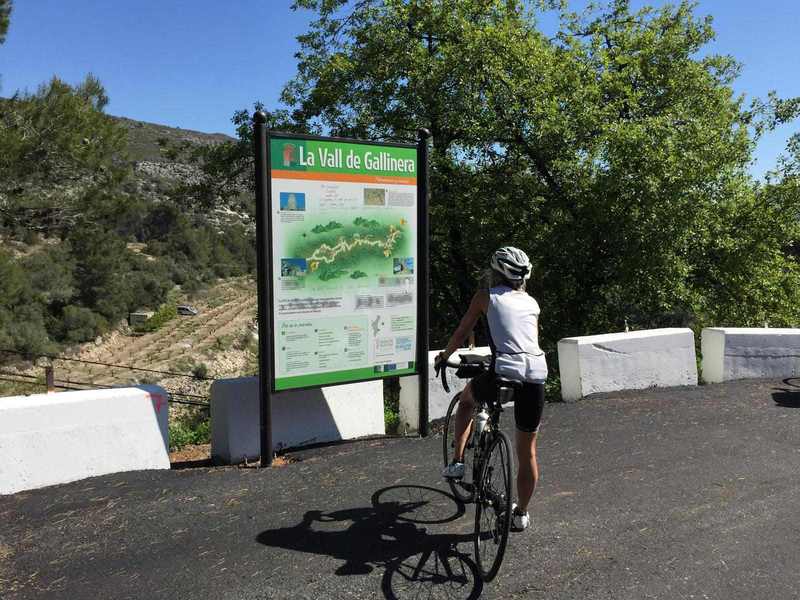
{"type": "Point", "coordinates": [388, 534]}
{"type": "Point", "coordinates": [788, 398]}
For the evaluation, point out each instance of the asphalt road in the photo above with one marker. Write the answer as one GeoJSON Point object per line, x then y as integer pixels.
{"type": "Point", "coordinates": [681, 493]}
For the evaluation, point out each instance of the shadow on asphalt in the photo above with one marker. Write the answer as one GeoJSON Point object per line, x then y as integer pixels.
{"type": "Point", "coordinates": [391, 535]}
{"type": "Point", "coordinates": [788, 398]}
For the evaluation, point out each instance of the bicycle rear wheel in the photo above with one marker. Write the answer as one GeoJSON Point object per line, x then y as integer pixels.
{"type": "Point", "coordinates": [493, 507]}
{"type": "Point", "coordinates": [464, 488]}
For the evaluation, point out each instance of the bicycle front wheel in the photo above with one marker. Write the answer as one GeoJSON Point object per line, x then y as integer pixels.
{"type": "Point", "coordinates": [463, 488]}
{"type": "Point", "coordinates": [493, 507]}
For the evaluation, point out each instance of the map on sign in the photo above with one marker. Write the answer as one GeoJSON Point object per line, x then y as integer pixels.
{"type": "Point", "coordinates": [360, 248]}
{"type": "Point", "coordinates": [344, 250]}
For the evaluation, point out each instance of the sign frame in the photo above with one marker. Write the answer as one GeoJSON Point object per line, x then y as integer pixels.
{"type": "Point", "coordinates": [266, 298]}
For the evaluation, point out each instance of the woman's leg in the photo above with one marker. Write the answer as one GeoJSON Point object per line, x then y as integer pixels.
{"type": "Point", "coordinates": [464, 412]}
{"type": "Point", "coordinates": [528, 408]}
{"type": "Point", "coordinates": [528, 469]}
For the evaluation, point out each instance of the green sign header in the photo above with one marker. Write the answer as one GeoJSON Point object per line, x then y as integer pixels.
{"type": "Point", "coordinates": [342, 157]}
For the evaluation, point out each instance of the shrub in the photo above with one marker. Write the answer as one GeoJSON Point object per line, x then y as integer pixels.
{"type": "Point", "coordinates": [81, 324]}
{"type": "Point", "coordinates": [182, 365]}
{"type": "Point", "coordinates": [200, 370]}
{"type": "Point", "coordinates": [163, 315]}
{"type": "Point", "coordinates": [222, 343]}
{"type": "Point", "coordinates": [192, 427]}
{"type": "Point", "coordinates": [391, 404]}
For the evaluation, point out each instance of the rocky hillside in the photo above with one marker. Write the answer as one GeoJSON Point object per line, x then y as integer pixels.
{"type": "Point", "coordinates": [156, 168]}
{"type": "Point", "coordinates": [102, 216]}
{"type": "Point", "coordinates": [143, 139]}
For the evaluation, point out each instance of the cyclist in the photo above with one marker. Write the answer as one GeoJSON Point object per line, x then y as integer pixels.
{"type": "Point", "coordinates": [513, 318]}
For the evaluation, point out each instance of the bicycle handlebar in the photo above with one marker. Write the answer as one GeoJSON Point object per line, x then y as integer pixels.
{"type": "Point", "coordinates": [441, 369]}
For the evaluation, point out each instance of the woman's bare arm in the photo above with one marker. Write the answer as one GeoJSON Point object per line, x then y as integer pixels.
{"type": "Point", "coordinates": [478, 306]}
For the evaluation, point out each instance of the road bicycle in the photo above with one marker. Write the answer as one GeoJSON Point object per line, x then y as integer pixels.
{"type": "Point", "coordinates": [488, 463]}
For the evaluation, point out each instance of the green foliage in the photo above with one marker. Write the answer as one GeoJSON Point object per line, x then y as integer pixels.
{"type": "Point", "coordinates": [57, 134]}
{"type": "Point", "coordinates": [163, 315]}
{"type": "Point", "coordinates": [200, 370]}
{"type": "Point", "coordinates": [247, 342]}
{"type": "Point", "coordinates": [15, 388]}
{"type": "Point", "coordinates": [391, 420]}
{"type": "Point", "coordinates": [552, 389]}
{"type": "Point", "coordinates": [616, 154]}
{"type": "Point", "coordinates": [391, 404]}
{"type": "Point", "coordinates": [183, 365]}
{"type": "Point", "coordinates": [192, 427]}
{"type": "Point", "coordinates": [222, 343]}
{"type": "Point", "coordinates": [22, 322]}
{"type": "Point", "coordinates": [81, 324]}
{"type": "Point", "coordinates": [5, 17]}
{"type": "Point", "coordinates": [196, 251]}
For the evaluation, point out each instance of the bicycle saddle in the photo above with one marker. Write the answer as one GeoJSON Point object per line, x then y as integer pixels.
{"type": "Point", "coordinates": [508, 383]}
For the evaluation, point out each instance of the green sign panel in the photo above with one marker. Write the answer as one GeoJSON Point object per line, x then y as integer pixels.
{"type": "Point", "coordinates": [344, 261]}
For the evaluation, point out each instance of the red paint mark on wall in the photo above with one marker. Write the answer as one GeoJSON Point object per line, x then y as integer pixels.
{"type": "Point", "coordinates": [159, 400]}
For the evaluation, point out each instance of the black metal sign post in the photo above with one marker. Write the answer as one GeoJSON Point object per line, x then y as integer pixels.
{"type": "Point", "coordinates": [423, 282]}
{"type": "Point", "coordinates": [264, 251]}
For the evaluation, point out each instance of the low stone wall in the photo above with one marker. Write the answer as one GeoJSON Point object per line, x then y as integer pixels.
{"type": "Point", "coordinates": [47, 439]}
{"type": "Point", "coordinates": [299, 418]}
{"type": "Point", "coordinates": [743, 353]}
{"type": "Point", "coordinates": [626, 361]}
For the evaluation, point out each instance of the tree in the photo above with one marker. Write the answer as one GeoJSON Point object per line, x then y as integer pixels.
{"type": "Point", "coordinates": [5, 17]}
{"type": "Point", "coordinates": [614, 153]}
{"type": "Point", "coordinates": [59, 133]}
{"type": "Point", "coordinates": [22, 323]}
{"type": "Point", "coordinates": [56, 145]}
{"type": "Point", "coordinates": [102, 271]}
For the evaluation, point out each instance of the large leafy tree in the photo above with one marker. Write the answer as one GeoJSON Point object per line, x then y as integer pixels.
{"type": "Point", "coordinates": [616, 153]}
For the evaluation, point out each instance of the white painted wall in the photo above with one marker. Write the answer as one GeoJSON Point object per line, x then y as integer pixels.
{"type": "Point", "coordinates": [438, 399]}
{"type": "Point", "coordinates": [47, 439]}
{"type": "Point", "coordinates": [626, 361]}
{"type": "Point", "coordinates": [742, 353]}
{"type": "Point", "coordinates": [299, 417]}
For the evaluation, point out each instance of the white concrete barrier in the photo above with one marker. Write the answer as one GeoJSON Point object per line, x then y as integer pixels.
{"type": "Point", "coordinates": [47, 439]}
{"type": "Point", "coordinates": [626, 361]}
{"type": "Point", "coordinates": [299, 418]}
{"type": "Point", "coordinates": [438, 399]}
{"type": "Point", "coordinates": [743, 353]}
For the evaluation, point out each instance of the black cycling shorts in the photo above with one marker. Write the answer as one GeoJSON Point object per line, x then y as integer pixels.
{"type": "Point", "coordinates": [528, 400]}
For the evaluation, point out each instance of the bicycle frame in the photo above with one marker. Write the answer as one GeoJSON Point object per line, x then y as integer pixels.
{"type": "Point", "coordinates": [481, 445]}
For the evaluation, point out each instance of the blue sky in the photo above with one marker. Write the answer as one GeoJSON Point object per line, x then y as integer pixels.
{"type": "Point", "coordinates": [192, 63]}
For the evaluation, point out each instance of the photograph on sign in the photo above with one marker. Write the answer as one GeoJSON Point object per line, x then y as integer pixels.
{"type": "Point", "coordinates": [344, 250]}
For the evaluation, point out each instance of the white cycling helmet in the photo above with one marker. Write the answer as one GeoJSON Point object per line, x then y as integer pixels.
{"type": "Point", "coordinates": [512, 263]}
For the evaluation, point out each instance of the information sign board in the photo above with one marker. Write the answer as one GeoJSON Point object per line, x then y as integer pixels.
{"type": "Point", "coordinates": [343, 234]}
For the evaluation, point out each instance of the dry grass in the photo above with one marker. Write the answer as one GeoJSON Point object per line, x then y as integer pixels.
{"type": "Point", "coordinates": [199, 452]}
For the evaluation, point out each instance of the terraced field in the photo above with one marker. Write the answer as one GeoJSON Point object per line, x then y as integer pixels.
{"type": "Point", "coordinates": [215, 337]}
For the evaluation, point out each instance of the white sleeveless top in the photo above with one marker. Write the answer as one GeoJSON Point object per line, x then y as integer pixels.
{"type": "Point", "coordinates": [514, 325]}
